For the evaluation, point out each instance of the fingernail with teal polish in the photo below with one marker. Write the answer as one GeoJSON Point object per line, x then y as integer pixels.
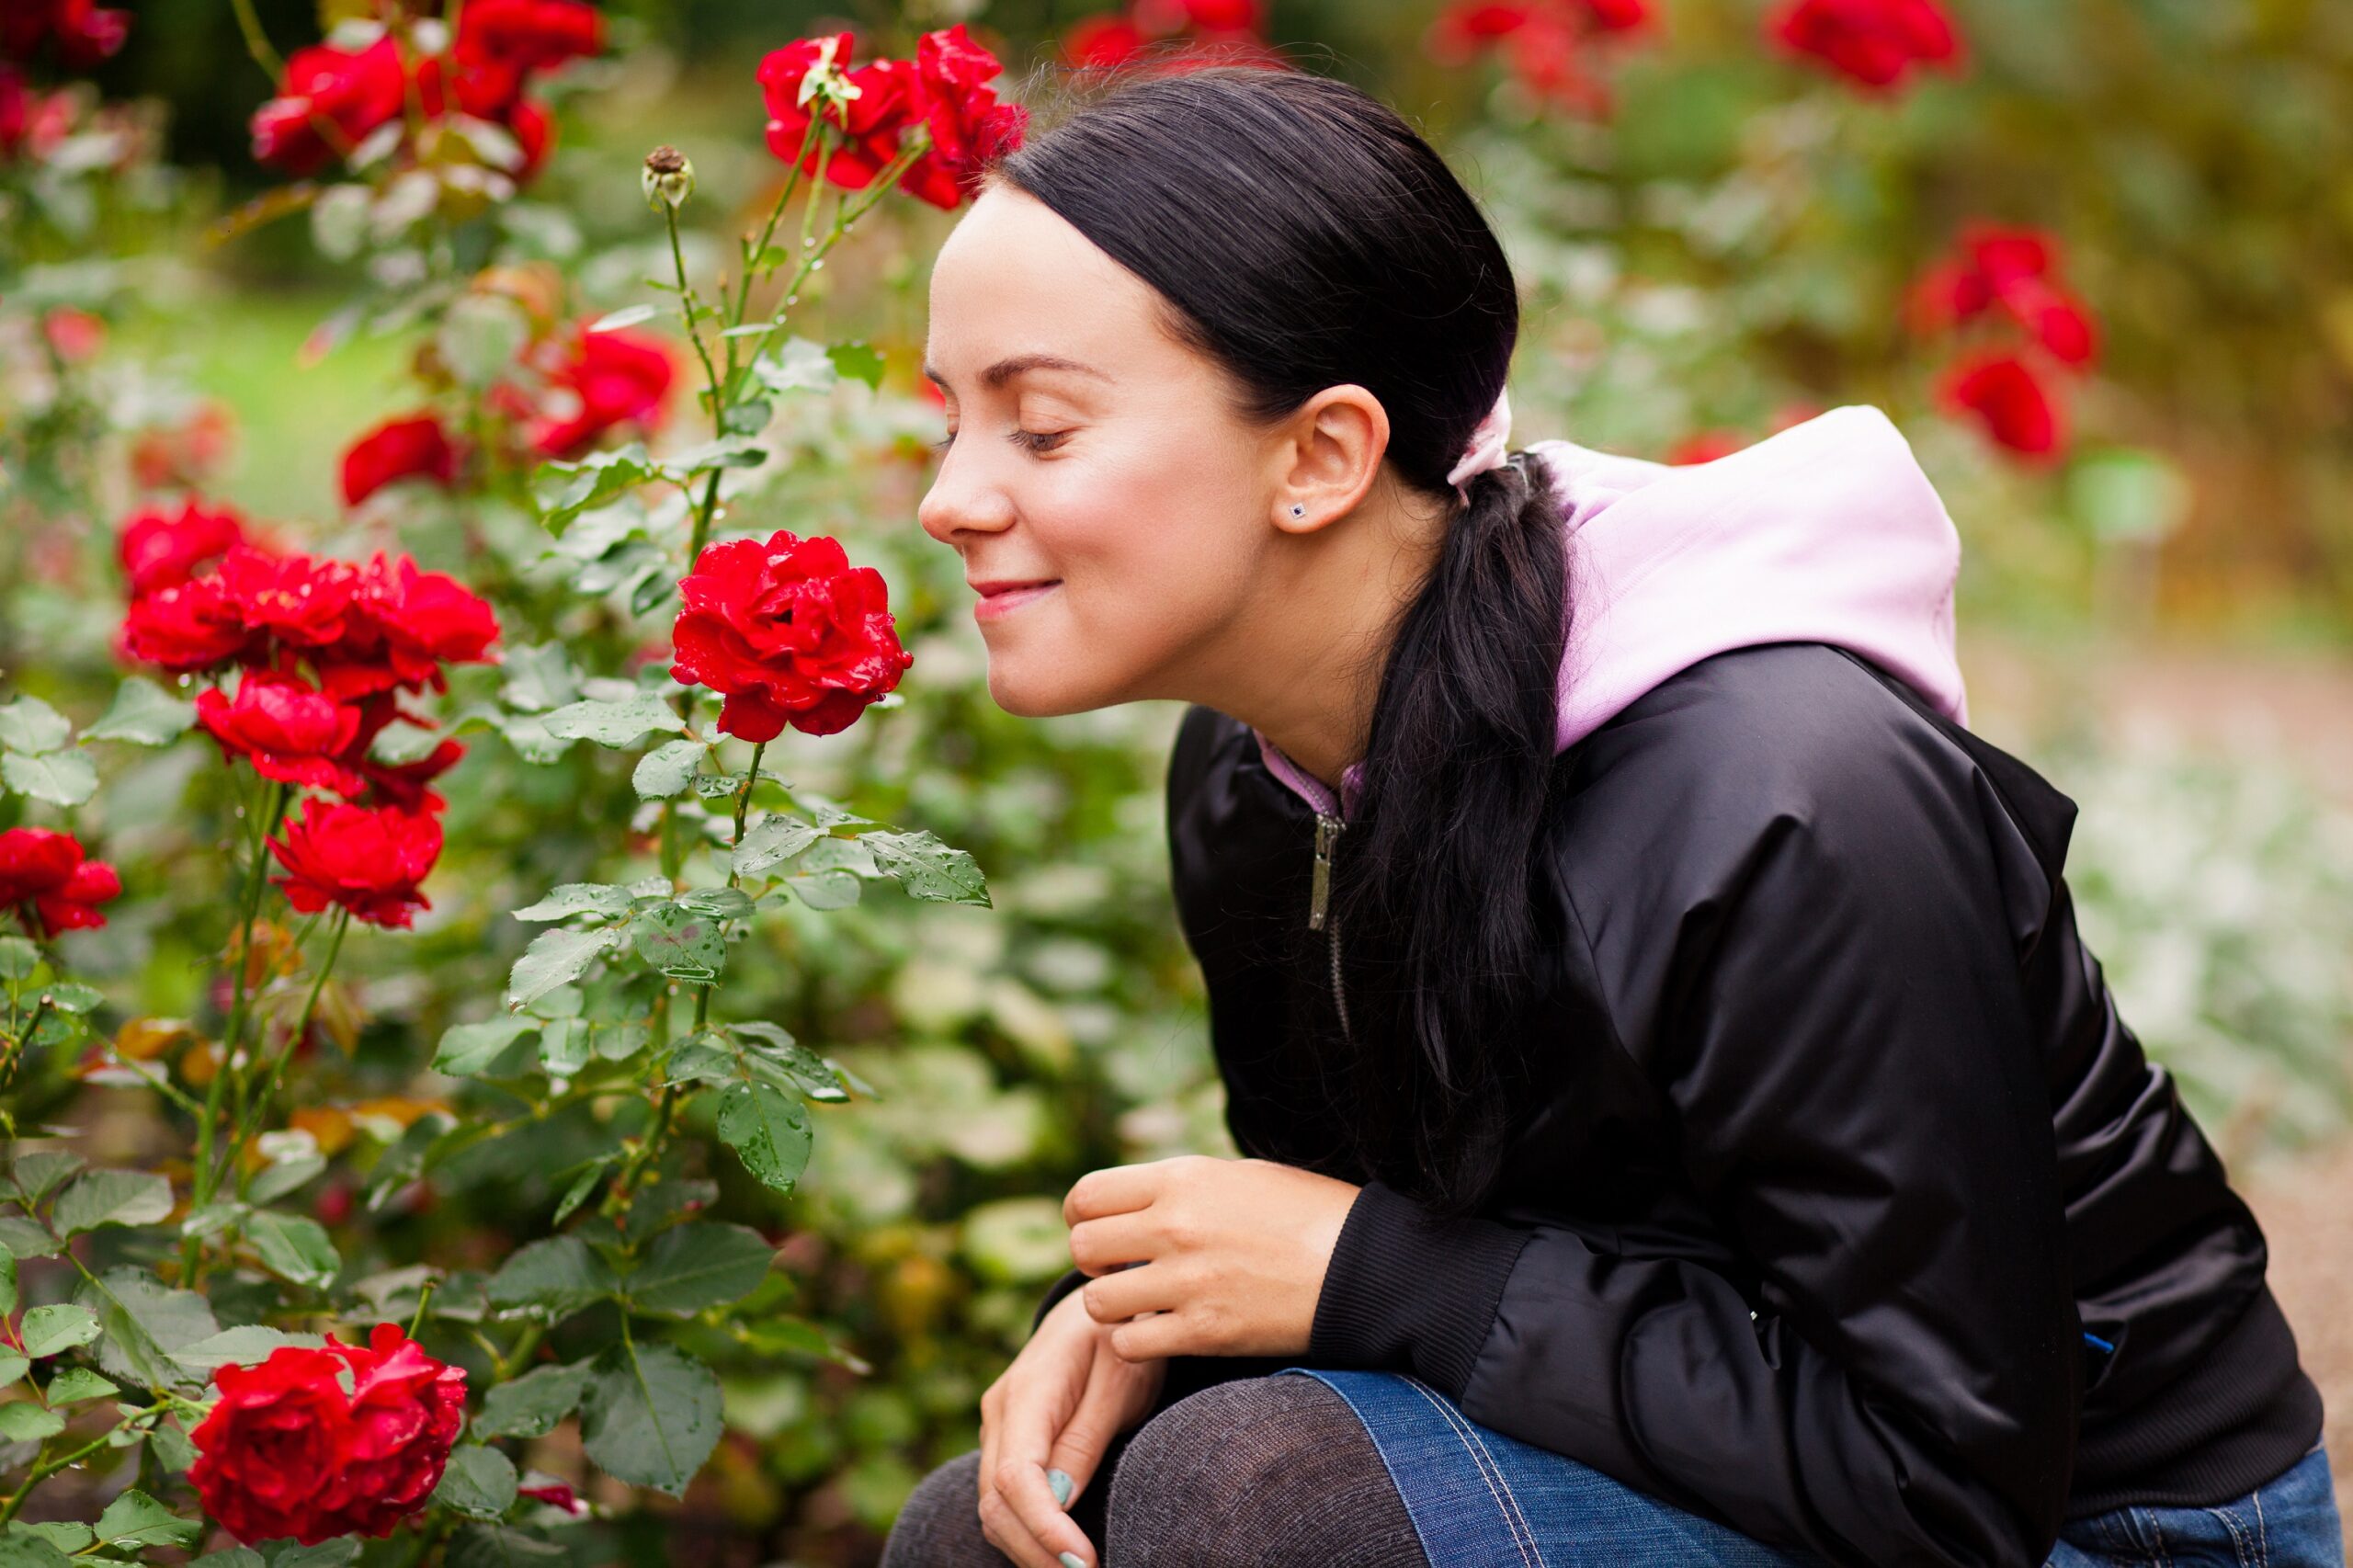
{"type": "Point", "coordinates": [1070, 1559]}
{"type": "Point", "coordinates": [1060, 1482]}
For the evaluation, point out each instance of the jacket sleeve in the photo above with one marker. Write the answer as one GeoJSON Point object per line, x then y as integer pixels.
{"type": "Point", "coordinates": [1885, 1367]}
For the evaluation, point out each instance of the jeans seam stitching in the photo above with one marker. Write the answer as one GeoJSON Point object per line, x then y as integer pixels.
{"type": "Point", "coordinates": [1448, 1417]}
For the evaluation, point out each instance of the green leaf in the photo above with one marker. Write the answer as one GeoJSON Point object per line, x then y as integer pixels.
{"type": "Point", "coordinates": [727, 451]}
{"type": "Point", "coordinates": [564, 491]}
{"type": "Point", "coordinates": [18, 959]}
{"type": "Point", "coordinates": [42, 1545]}
{"type": "Point", "coordinates": [651, 1416]}
{"type": "Point", "coordinates": [770, 840]}
{"type": "Point", "coordinates": [294, 1248]}
{"type": "Point", "coordinates": [21, 1237]}
{"type": "Point", "coordinates": [667, 768]}
{"type": "Point", "coordinates": [31, 726]}
{"type": "Point", "coordinates": [240, 1347]}
{"type": "Point", "coordinates": [858, 361]}
{"type": "Point", "coordinates": [62, 778]}
{"type": "Point", "coordinates": [231, 1557]}
{"type": "Point", "coordinates": [136, 1521]}
{"type": "Point", "coordinates": [555, 957]}
{"type": "Point", "coordinates": [22, 1422]}
{"type": "Point", "coordinates": [786, 1062]}
{"type": "Point", "coordinates": [613, 725]}
{"type": "Point", "coordinates": [281, 1176]}
{"type": "Point", "coordinates": [481, 1545]}
{"type": "Point", "coordinates": [75, 1384]}
{"type": "Point", "coordinates": [539, 677]}
{"type": "Point", "coordinates": [142, 714]}
{"type": "Point", "coordinates": [551, 1279]}
{"type": "Point", "coordinates": [926, 867]}
{"type": "Point", "coordinates": [143, 1323]}
{"type": "Point", "coordinates": [530, 1405]}
{"type": "Point", "coordinates": [768, 1130]}
{"type": "Point", "coordinates": [51, 1331]}
{"type": "Point", "coordinates": [798, 365]}
{"type": "Point", "coordinates": [111, 1197]}
{"type": "Point", "coordinates": [8, 1293]}
{"type": "Point", "coordinates": [495, 1048]}
{"type": "Point", "coordinates": [825, 889]}
{"type": "Point", "coordinates": [582, 1186]}
{"type": "Point", "coordinates": [66, 996]}
{"type": "Point", "coordinates": [697, 1266]}
{"type": "Point", "coordinates": [681, 943]}
{"type": "Point", "coordinates": [720, 903]}
{"type": "Point", "coordinates": [335, 1553]}
{"type": "Point", "coordinates": [568, 899]}
{"type": "Point", "coordinates": [746, 418]}
{"type": "Point", "coordinates": [34, 1174]}
{"type": "Point", "coordinates": [12, 1367]}
{"type": "Point", "coordinates": [628, 316]}
{"type": "Point", "coordinates": [478, 1483]}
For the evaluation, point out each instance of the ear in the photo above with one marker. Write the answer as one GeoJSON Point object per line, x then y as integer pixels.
{"type": "Point", "coordinates": [1328, 456]}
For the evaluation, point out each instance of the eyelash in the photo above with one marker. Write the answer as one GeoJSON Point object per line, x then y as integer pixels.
{"type": "Point", "coordinates": [1032, 440]}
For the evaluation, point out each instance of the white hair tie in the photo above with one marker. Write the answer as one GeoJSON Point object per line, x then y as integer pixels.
{"type": "Point", "coordinates": [1490, 446]}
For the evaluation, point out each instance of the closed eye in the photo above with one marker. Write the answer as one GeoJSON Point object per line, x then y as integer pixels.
{"type": "Point", "coordinates": [1036, 441]}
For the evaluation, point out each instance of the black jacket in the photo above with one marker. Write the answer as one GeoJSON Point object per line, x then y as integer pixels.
{"type": "Point", "coordinates": [1861, 1223]}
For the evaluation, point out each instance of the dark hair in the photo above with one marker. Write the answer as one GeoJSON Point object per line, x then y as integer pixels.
{"type": "Point", "coordinates": [1304, 237]}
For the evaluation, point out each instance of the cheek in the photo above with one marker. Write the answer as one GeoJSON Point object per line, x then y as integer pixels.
{"type": "Point", "coordinates": [1153, 566]}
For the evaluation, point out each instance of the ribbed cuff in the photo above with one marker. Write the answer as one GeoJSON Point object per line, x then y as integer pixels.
{"type": "Point", "coordinates": [1060, 1288]}
{"type": "Point", "coordinates": [1407, 1287]}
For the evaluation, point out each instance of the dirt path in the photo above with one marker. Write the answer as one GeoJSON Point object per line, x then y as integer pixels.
{"type": "Point", "coordinates": [2306, 1210]}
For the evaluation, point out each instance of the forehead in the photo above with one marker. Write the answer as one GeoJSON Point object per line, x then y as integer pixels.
{"type": "Point", "coordinates": [1016, 278]}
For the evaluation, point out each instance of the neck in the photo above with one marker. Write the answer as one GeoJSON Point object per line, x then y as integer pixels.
{"type": "Point", "coordinates": [1303, 663]}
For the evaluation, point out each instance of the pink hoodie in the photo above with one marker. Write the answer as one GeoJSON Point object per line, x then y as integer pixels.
{"type": "Point", "coordinates": [1826, 532]}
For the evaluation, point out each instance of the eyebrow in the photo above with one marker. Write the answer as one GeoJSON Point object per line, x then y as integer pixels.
{"type": "Point", "coordinates": [1004, 370]}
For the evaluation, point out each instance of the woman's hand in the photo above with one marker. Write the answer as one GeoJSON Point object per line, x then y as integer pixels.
{"type": "Point", "coordinates": [1057, 1407]}
{"type": "Point", "coordinates": [1231, 1254]}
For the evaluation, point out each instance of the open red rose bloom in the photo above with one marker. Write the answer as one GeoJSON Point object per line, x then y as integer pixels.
{"type": "Point", "coordinates": [46, 869]}
{"type": "Point", "coordinates": [324, 654]}
{"type": "Point", "coordinates": [789, 632]}
{"type": "Point", "coordinates": [287, 1452]}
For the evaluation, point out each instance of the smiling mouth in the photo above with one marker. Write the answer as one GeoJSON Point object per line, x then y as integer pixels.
{"type": "Point", "coordinates": [1004, 601]}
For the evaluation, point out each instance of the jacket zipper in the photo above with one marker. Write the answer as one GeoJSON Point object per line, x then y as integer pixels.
{"type": "Point", "coordinates": [1327, 833]}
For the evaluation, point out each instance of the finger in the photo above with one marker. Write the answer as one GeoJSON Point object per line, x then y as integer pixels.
{"type": "Point", "coordinates": [1085, 1439]}
{"type": "Point", "coordinates": [1159, 1335]}
{"type": "Point", "coordinates": [1026, 1433]}
{"type": "Point", "coordinates": [1115, 1189]}
{"type": "Point", "coordinates": [1022, 1485]}
{"type": "Point", "coordinates": [1111, 1242]}
{"type": "Point", "coordinates": [1122, 1293]}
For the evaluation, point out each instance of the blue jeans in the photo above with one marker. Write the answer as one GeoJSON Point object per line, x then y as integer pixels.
{"type": "Point", "coordinates": [1479, 1499]}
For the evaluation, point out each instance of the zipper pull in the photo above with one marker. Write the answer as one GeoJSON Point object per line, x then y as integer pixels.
{"type": "Point", "coordinates": [1327, 830]}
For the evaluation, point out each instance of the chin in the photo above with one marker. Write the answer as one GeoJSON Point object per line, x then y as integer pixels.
{"type": "Point", "coordinates": [1028, 688]}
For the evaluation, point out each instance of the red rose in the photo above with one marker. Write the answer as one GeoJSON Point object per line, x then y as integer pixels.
{"type": "Point", "coordinates": [1706, 447]}
{"type": "Point", "coordinates": [287, 1452]}
{"type": "Point", "coordinates": [2012, 269]}
{"type": "Point", "coordinates": [422, 621]}
{"type": "Point", "coordinates": [969, 127]}
{"type": "Point", "coordinates": [1618, 15]}
{"type": "Point", "coordinates": [351, 91]}
{"type": "Point", "coordinates": [287, 730]}
{"type": "Point", "coordinates": [789, 632]}
{"type": "Point", "coordinates": [1872, 42]}
{"type": "Point", "coordinates": [602, 380]}
{"type": "Point", "coordinates": [890, 99]}
{"type": "Point", "coordinates": [85, 32]}
{"type": "Point", "coordinates": [187, 627]}
{"type": "Point", "coordinates": [159, 548]}
{"type": "Point", "coordinates": [368, 859]}
{"type": "Point", "coordinates": [404, 787]}
{"type": "Point", "coordinates": [1102, 42]}
{"type": "Point", "coordinates": [534, 130]}
{"type": "Point", "coordinates": [529, 35]}
{"type": "Point", "coordinates": [413, 448]}
{"type": "Point", "coordinates": [2009, 399]}
{"type": "Point", "coordinates": [296, 599]}
{"type": "Point", "coordinates": [46, 869]}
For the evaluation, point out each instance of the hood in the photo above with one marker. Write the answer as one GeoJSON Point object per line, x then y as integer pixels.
{"type": "Point", "coordinates": [1827, 531]}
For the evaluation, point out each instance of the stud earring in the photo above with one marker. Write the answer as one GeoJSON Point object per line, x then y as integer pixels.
{"type": "Point", "coordinates": [1299, 509]}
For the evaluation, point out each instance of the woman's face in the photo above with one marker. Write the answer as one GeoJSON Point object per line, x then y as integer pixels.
{"type": "Point", "coordinates": [1091, 452]}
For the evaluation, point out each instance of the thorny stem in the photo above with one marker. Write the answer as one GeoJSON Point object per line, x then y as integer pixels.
{"type": "Point", "coordinates": [191, 1250]}
{"type": "Point", "coordinates": [260, 1107]}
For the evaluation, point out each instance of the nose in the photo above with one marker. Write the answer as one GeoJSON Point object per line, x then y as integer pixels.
{"type": "Point", "coordinates": [962, 501]}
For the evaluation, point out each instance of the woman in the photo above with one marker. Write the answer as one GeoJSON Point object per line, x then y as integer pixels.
{"type": "Point", "coordinates": [1684, 1124]}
